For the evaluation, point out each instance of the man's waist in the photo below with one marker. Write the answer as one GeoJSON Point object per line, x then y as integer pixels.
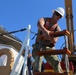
{"type": "Point", "coordinates": [49, 45]}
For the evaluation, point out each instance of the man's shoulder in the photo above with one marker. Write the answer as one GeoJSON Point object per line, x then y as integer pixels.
{"type": "Point", "coordinates": [46, 17]}
{"type": "Point", "coordinates": [58, 28]}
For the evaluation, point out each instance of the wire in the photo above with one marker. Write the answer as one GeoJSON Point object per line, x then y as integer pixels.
{"type": "Point", "coordinates": [62, 45]}
{"type": "Point", "coordinates": [1, 34]}
{"type": "Point", "coordinates": [32, 32]}
{"type": "Point", "coordinates": [12, 32]}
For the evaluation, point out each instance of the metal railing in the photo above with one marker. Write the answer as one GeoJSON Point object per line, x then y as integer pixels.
{"type": "Point", "coordinates": [26, 46]}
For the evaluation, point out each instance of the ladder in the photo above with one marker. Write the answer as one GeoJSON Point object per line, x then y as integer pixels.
{"type": "Point", "coordinates": [54, 52]}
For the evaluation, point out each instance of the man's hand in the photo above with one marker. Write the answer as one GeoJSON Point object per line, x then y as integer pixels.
{"type": "Point", "coordinates": [29, 55]}
{"type": "Point", "coordinates": [47, 34]}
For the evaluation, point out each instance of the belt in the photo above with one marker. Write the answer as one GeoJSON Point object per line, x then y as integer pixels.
{"type": "Point", "coordinates": [50, 45]}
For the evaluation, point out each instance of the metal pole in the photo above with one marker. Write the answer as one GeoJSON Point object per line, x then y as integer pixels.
{"type": "Point", "coordinates": [26, 52]}
{"type": "Point", "coordinates": [66, 56]}
{"type": "Point", "coordinates": [25, 43]}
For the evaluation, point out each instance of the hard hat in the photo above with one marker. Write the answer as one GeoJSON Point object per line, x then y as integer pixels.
{"type": "Point", "coordinates": [60, 10]}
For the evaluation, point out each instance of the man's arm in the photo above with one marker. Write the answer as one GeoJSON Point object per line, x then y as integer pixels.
{"type": "Point", "coordinates": [55, 39]}
{"type": "Point", "coordinates": [41, 27]}
{"type": "Point", "coordinates": [40, 24]}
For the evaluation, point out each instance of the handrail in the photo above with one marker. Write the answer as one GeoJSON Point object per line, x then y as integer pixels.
{"type": "Point", "coordinates": [26, 46]}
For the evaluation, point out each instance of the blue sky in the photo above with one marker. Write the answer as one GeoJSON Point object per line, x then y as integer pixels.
{"type": "Point", "coordinates": [18, 14]}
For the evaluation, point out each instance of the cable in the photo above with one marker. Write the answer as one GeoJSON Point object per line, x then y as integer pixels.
{"type": "Point", "coordinates": [62, 45]}
{"type": "Point", "coordinates": [12, 32]}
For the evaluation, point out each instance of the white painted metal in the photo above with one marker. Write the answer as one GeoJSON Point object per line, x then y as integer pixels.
{"type": "Point", "coordinates": [24, 45]}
